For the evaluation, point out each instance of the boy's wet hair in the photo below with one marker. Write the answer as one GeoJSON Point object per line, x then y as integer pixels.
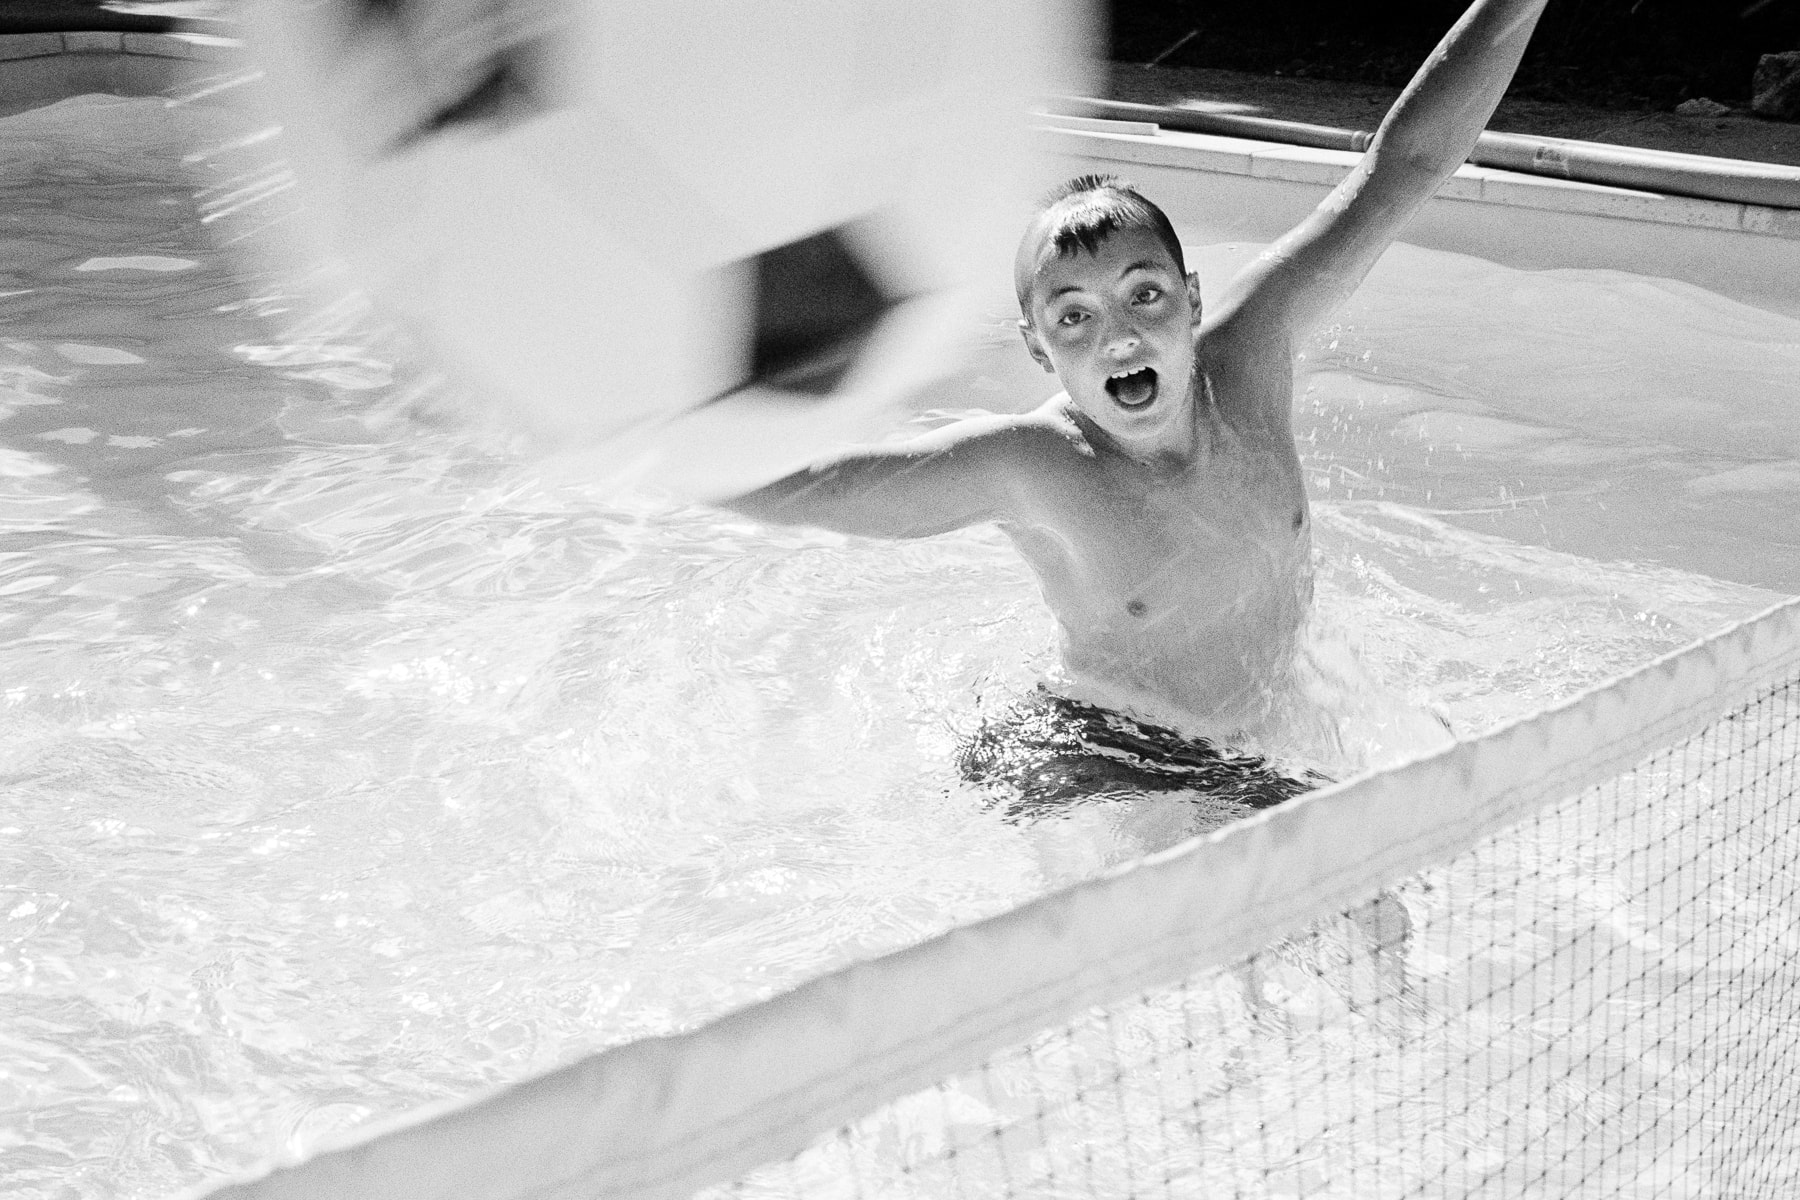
{"type": "Point", "coordinates": [1094, 208]}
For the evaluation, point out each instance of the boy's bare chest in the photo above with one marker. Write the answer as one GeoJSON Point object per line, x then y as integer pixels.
{"type": "Point", "coordinates": [1189, 551]}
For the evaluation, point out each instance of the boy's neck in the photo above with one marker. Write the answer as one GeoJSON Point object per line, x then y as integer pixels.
{"type": "Point", "coordinates": [1175, 448]}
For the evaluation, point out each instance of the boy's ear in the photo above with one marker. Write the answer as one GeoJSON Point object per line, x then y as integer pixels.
{"type": "Point", "coordinates": [1034, 347]}
{"type": "Point", "coordinates": [1193, 295]}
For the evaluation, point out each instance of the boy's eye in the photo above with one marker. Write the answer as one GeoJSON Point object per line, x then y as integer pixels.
{"type": "Point", "coordinates": [1072, 317]}
{"type": "Point", "coordinates": [1148, 295]}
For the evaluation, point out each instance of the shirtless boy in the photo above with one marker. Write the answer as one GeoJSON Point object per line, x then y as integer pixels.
{"type": "Point", "coordinates": [1159, 498]}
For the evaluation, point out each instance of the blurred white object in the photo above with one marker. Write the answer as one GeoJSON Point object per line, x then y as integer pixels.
{"type": "Point", "coordinates": [699, 242]}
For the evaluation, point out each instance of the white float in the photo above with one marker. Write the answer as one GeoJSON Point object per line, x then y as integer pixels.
{"type": "Point", "coordinates": [695, 241]}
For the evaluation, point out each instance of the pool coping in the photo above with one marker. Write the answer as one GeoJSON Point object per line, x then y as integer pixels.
{"type": "Point", "coordinates": [1148, 144]}
{"type": "Point", "coordinates": [204, 47]}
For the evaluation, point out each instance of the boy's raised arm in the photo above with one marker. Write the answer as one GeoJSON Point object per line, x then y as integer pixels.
{"type": "Point", "coordinates": [1428, 133]}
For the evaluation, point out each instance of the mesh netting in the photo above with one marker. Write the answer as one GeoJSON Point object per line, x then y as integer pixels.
{"type": "Point", "coordinates": [1561, 960]}
{"type": "Point", "coordinates": [1603, 1000]}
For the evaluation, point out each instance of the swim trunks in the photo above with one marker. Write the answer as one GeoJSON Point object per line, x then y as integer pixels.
{"type": "Point", "coordinates": [1047, 751]}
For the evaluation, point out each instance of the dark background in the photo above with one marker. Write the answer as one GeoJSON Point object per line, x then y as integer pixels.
{"type": "Point", "coordinates": [1613, 53]}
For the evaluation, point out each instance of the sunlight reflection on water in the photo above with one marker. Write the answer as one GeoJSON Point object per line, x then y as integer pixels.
{"type": "Point", "coordinates": [349, 766]}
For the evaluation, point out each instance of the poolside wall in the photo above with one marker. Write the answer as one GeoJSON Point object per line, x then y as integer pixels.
{"type": "Point", "coordinates": [41, 68]}
{"type": "Point", "coordinates": [1222, 189]}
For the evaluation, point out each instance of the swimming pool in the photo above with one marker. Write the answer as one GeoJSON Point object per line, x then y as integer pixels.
{"type": "Point", "coordinates": [350, 766]}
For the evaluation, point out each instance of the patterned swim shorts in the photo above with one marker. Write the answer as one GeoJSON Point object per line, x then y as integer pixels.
{"type": "Point", "coordinates": [1047, 751]}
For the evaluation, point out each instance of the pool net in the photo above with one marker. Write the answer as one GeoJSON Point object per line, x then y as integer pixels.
{"type": "Point", "coordinates": [1561, 960]}
{"type": "Point", "coordinates": [1601, 1001]}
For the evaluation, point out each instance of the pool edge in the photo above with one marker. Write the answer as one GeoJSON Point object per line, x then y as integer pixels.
{"type": "Point", "coordinates": [41, 68]}
{"type": "Point", "coordinates": [1222, 189]}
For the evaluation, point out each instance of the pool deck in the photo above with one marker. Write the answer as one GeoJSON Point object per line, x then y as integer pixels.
{"type": "Point", "coordinates": [1737, 134]}
{"type": "Point", "coordinates": [95, 33]}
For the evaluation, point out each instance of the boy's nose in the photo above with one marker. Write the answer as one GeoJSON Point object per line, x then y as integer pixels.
{"type": "Point", "coordinates": [1122, 342]}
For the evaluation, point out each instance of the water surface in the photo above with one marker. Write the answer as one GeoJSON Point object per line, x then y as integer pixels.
{"type": "Point", "coordinates": [347, 765]}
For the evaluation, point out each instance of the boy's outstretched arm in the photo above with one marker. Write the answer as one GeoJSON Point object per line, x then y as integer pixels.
{"type": "Point", "coordinates": [1429, 132]}
{"type": "Point", "coordinates": [946, 479]}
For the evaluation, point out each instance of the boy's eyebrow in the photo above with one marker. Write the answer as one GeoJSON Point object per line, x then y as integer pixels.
{"type": "Point", "coordinates": [1142, 264]}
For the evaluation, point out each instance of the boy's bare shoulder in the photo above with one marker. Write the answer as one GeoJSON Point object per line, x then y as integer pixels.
{"type": "Point", "coordinates": [1037, 437]}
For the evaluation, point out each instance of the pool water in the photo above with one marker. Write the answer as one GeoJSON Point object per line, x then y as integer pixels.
{"type": "Point", "coordinates": [346, 764]}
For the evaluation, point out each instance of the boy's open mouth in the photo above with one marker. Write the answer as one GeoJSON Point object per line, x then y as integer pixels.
{"type": "Point", "coordinates": [1133, 389]}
